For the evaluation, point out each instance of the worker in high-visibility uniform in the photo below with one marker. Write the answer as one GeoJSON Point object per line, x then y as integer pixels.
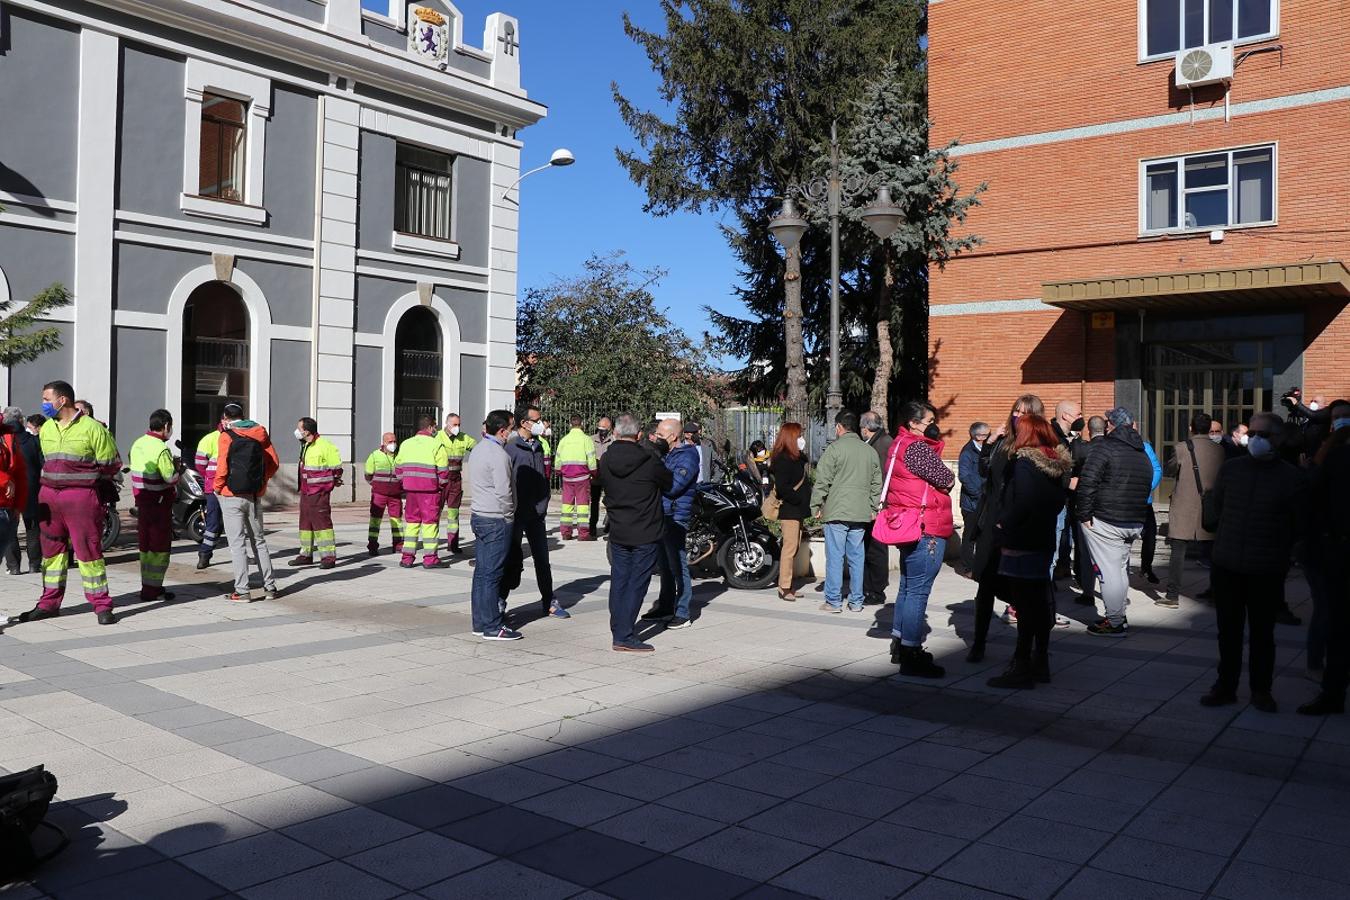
{"type": "Point", "coordinates": [577, 465]}
{"type": "Point", "coordinates": [386, 494]}
{"type": "Point", "coordinates": [154, 476]}
{"type": "Point", "coordinates": [546, 442]}
{"type": "Point", "coordinates": [208, 452]}
{"type": "Point", "coordinates": [79, 454]}
{"type": "Point", "coordinates": [457, 446]}
{"type": "Point", "coordinates": [320, 471]}
{"type": "Point", "coordinates": [422, 469]}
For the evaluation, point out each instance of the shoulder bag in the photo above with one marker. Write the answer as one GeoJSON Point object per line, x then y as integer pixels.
{"type": "Point", "coordinates": [772, 503]}
{"type": "Point", "coordinates": [896, 526]}
{"type": "Point", "coordinates": [1207, 513]}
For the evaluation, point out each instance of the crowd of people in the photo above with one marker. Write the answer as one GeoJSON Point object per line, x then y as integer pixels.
{"type": "Point", "coordinates": [1042, 500]}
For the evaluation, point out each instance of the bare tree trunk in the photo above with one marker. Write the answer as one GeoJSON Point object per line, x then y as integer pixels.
{"type": "Point", "coordinates": [885, 354]}
{"type": "Point", "coordinates": [792, 327]}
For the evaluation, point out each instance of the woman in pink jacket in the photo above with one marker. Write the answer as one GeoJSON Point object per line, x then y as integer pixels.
{"type": "Point", "coordinates": [918, 481]}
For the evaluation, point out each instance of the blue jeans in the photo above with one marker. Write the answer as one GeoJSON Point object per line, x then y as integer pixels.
{"type": "Point", "coordinates": [920, 563]}
{"type": "Point", "coordinates": [1062, 546]}
{"type": "Point", "coordinates": [844, 541]}
{"type": "Point", "coordinates": [630, 574]}
{"type": "Point", "coordinates": [676, 591]}
{"type": "Point", "coordinates": [492, 538]}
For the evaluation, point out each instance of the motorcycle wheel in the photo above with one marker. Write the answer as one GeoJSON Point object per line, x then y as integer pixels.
{"type": "Point", "coordinates": [112, 527]}
{"type": "Point", "coordinates": [196, 525]}
{"type": "Point", "coordinates": [747, 567]}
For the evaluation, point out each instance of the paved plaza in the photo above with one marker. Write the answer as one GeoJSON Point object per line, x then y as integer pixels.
{"type": "Point", "coordinates": [352, 739]}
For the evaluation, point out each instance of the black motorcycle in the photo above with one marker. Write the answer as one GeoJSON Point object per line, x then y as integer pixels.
{"type": "Point", "coordinates": [726, 533]}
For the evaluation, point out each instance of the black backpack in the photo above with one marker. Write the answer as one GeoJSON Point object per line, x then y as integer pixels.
{"type": "Point", "coordinates": [244, 465]}
{"type": "Point", "coordinates": [24, 798]}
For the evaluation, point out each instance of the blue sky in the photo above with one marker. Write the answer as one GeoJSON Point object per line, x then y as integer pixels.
{"type": "Point", "coordinates": [570, 52]}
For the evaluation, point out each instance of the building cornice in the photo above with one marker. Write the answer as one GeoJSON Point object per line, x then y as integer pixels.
{"type": "Point", "coordinates": [341, 55]}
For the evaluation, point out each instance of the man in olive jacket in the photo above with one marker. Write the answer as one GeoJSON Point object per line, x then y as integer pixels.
{"type": "Point", "coordinates": [845, 497]}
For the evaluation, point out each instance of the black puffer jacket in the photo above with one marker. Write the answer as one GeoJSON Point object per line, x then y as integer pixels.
{"type": "Point", "coordinates": [1116, 480]}
{"type": "Point", "coordinates": [1258, 513]}
{"type": "Point", "coordinates": [1034, 497]}
{"type": "Point", "coordinates": [996, 469]}
{"type": "Point", "coordinates": [633, 478]}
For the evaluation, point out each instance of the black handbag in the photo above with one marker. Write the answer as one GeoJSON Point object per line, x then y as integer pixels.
{"type": "Point", "coordinates": [24, 799]}
{"type": "Point", "coordinates": [1207, 511]}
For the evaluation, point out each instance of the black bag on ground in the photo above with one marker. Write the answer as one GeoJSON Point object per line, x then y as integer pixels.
{"type": "Point", "coordinates": [244, 465]}
{"type": "Point", "coordinates": [24, 798]}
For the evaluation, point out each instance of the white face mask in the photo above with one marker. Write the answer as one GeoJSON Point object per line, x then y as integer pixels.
{"type": "Point", "coordinates": [391, 446]}
{"type": "Point", "coordinates": [801, 443]}
{"type": "Point", "coordinates": [536, 428]}
{"type": "Point", "coordinates": [1216, 438]}
{"type": "Point", "coordinates": [299, 435]}
{"type": "Point", "coordinates": [1314, 406]}
{"type": "Point", "coordinates": [454, 429]}
{"type": "Point", "coordinates": [1241, 440]}
{"type": "Point", "coordinates": [548, 432]}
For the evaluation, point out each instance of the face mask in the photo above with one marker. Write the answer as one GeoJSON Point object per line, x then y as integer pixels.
{"type": "Point", "coordinates": [1339, 424]}
{"type": "Point", "coordinates": [548, 432]}
{"type": "Point", "coordinates": [536, 428]}
{"type": "Point", "coordinates": [932, 432]}
{"type": "Point", "coordinates": [1078, 424]}
{"type": "Point", "coordinates": [391, 446]}
{"type": "Point", "coordinates": [1216, 438]}
{"type": "Point", "coordinates": [299, 435]}
{"type": "Point", "coordinates": [603, 433]}
{"type": "Point", "coordinates": [661, 444]}
{"type": "Point", "coordinates": [1260, 447]}
{"type": "Point", "coordinates": [1314, 406]}
{"type": "Point", "coordinates": [1015, 417]}
{"type": "Point", "coordinates": [801, 442]}
{"type": "Point", "coordinates": [1241, 440]}
{"type": "Point", "coordinates": [454, 430]}
{"type": "Point", "coordinates": [49, 409]}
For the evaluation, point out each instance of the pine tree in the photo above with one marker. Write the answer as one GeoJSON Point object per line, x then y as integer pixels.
{"type": "Point", "coordinates": [889, 136]}
{"type": "Point", "coordinates": [753, 85]}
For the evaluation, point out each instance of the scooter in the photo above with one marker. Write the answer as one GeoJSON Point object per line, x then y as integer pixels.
{"type": "Point", "coordinates": [727, 534]}
{"type": "Point", "coordinates": [189, 504]}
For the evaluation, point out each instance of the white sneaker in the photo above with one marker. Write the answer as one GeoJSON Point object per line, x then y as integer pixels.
{"type": "Point", "coordinates": [1062, 621]}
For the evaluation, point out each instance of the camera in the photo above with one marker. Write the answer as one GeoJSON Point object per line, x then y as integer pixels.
{"type": "Point", "coordinates": [1292, 398]}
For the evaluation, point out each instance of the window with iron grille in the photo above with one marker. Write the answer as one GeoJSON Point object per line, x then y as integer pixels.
{"type": "Point", "coordinates": [424, 196]}
{"type": "Point", "coordinates": [223, 148]}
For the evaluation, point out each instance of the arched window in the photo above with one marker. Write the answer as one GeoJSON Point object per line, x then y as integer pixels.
{"type": "Point", "coordinates": [418, 369]}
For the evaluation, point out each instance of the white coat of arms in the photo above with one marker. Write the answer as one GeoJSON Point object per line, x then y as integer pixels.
{"type": "Point", "coordinates": [428, 34]}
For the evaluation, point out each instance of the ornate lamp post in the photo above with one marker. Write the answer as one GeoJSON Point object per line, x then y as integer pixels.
{"type": "Point", "coordinates": [830, 191]}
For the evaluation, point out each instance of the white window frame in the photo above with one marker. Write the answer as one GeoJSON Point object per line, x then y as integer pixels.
{"type": "Point", "coordinates": [1144, 56]}
{"type": "Point", "coordinates": [205, 77]}
{"type": "Point", "coordinates": [1180, 200]}
{"type": "Point", "coordinates": [418, 243]}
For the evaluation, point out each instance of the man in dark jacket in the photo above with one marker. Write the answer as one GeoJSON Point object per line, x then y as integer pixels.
{"type": "Point", "coordinates": [532, 496]}
{"type": "Point", "coordinates": [677, 593]}
{"type": "Point", "coordinates": [877, 559]}
{"type": "Point", "coordinates": [31, 451]}
{"type": "Point", "coordinates": [1112, 506]}
{"type": "Point", "coordinates": [1257, 512]}
{"type": "Point", "coordinates": [634, 479]}
{"type": "Point", "coordinates": [972, 488]}
{"type": "Point", "coordinates": [1329, 547]}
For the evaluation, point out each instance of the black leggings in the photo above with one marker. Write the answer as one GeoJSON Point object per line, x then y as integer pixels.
{"type": "Point", "coordinates": [1150, 538]}
{"type": "Point", "coordinates": [1035, 614]}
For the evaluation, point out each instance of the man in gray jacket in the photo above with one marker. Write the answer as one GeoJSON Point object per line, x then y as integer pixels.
{"type": "Point", "coordinates": [492, 489]}
{"type": "Point", "coordinates": [847, 488]}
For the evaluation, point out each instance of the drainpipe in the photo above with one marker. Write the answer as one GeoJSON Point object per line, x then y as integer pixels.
{"type": "Point", "coordinates": [318, 253]}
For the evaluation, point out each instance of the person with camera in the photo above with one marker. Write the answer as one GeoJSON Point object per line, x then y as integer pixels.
{"type": "Point", "coordinates": [634, 477]}
{"type": "Point", "coordinates": [1195, 465]}
{"type": "Point", "coordinates": [1257, 512]}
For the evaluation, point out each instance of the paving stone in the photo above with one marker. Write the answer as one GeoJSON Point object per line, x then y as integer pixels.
{"type": "Point", "coordinates": [748, 853]}
{"type": "Point", "coordinates": [505, 830]}
{"type": "Point", "coordinates": [578, 804]}
{"type": "Point", "coordinates": [642, 782]}
{"type": "Point", "coordinates": [995, 869]}
{"type": "Point", "coordinates": [947, 817]}
{"type": "Point", "coordinates": [718, 801]}
{"type": "Point", "coordinates": [371, 785]}
{"type": "Point", "coordinates": [1249, 881]}
{"type": "Point", "coordinates": [1093, 884]}
{"type": "Point", "coordinates": [658, 828]}
{"type": "Point", "coordinates": [223, 731]}
{"type": "Point", "coordinates": [253, 860]}
{"type": "Point", "coordinates": [806, 824]}
{"type": "Point", "coordinates": [586, 857]}
{"type": "Point", "coordinates": [896, 845]}
{"type": "Point", "coordinates": [420, 860]}
{"type": "Point", "coordinates": [433, 806]}
{"type": "Point", "coordinates": [341, 834]}
{"type": "Point", "coordinates": [334, 880]}
{"type": "Point", "coordinates": [164, 879]}
{"type": "Point", "coordinates": [502, 880]}
{"type": "Point", "coordinates": [671, 878]}
{"type": "Point", "coordinates": [316, 765]}
{"type": "Point", "coordinates": [831, 876]}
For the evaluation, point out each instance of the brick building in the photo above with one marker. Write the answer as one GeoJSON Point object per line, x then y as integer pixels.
{"type": "Point", "coordinates": [1168, 248]}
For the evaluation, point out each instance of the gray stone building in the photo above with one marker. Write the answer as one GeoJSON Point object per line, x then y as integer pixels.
{"type": "Point", "coordinates": [297, 204]}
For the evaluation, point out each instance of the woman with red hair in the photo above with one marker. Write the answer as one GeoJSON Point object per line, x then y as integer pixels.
{"type": "Point", "coordinates": [1033, 496]}
{"type": "Point", "coordinates": [788, 464]}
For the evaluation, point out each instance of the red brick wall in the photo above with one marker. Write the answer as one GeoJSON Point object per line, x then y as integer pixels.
{"type": "Point", "coordinates": [1070, 210]}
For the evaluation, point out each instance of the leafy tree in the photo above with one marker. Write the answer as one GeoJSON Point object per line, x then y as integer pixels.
{"type": "Point", "coordinates": [599, 341]}
{"type": "Point", "coordinates": [753, 85]}
{"type": "Point", "coordinates": [20, 342]}
{"type": "Point", "coordinates": [889, 137]}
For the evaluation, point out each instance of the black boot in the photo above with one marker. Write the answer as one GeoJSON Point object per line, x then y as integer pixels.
{"type": "Point", "coordinates": [1323, 705]}
{"type": "Point", "coordinates": [36, 614]}
{"type": "Point", "coordinates": [1040, 668]}
{"type": "Point", "coordinates": [203, 560]}
{"type": "Point", "coordinates": [918, 663]}
{"type": "Point", "coordinates": [976, 653]}
{"type": "Point", "coordinates": [895, 651]}
{"type": "Point", "coordinates": [1017, 677]}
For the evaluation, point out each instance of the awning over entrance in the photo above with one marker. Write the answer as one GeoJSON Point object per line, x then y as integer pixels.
{"type": "Point", "coordinates": [1264, 285]}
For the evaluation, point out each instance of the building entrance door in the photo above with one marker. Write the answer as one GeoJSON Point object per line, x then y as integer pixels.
{"type": "Point", "coordinates": [215, 359]}
{"type": "Point", "coordinates": [1229, 380]}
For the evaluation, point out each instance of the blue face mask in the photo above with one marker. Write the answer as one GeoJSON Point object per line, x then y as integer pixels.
{"type": "Point", "coordinates": [1259, 446]}
{"type": "Point", "coordinates": [1339, 424]}
{"type": "Point", "coordinates": [49, 409]}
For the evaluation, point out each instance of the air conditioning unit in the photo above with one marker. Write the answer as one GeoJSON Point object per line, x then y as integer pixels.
{"type": "Point", "coordinates": [1199, 66]}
